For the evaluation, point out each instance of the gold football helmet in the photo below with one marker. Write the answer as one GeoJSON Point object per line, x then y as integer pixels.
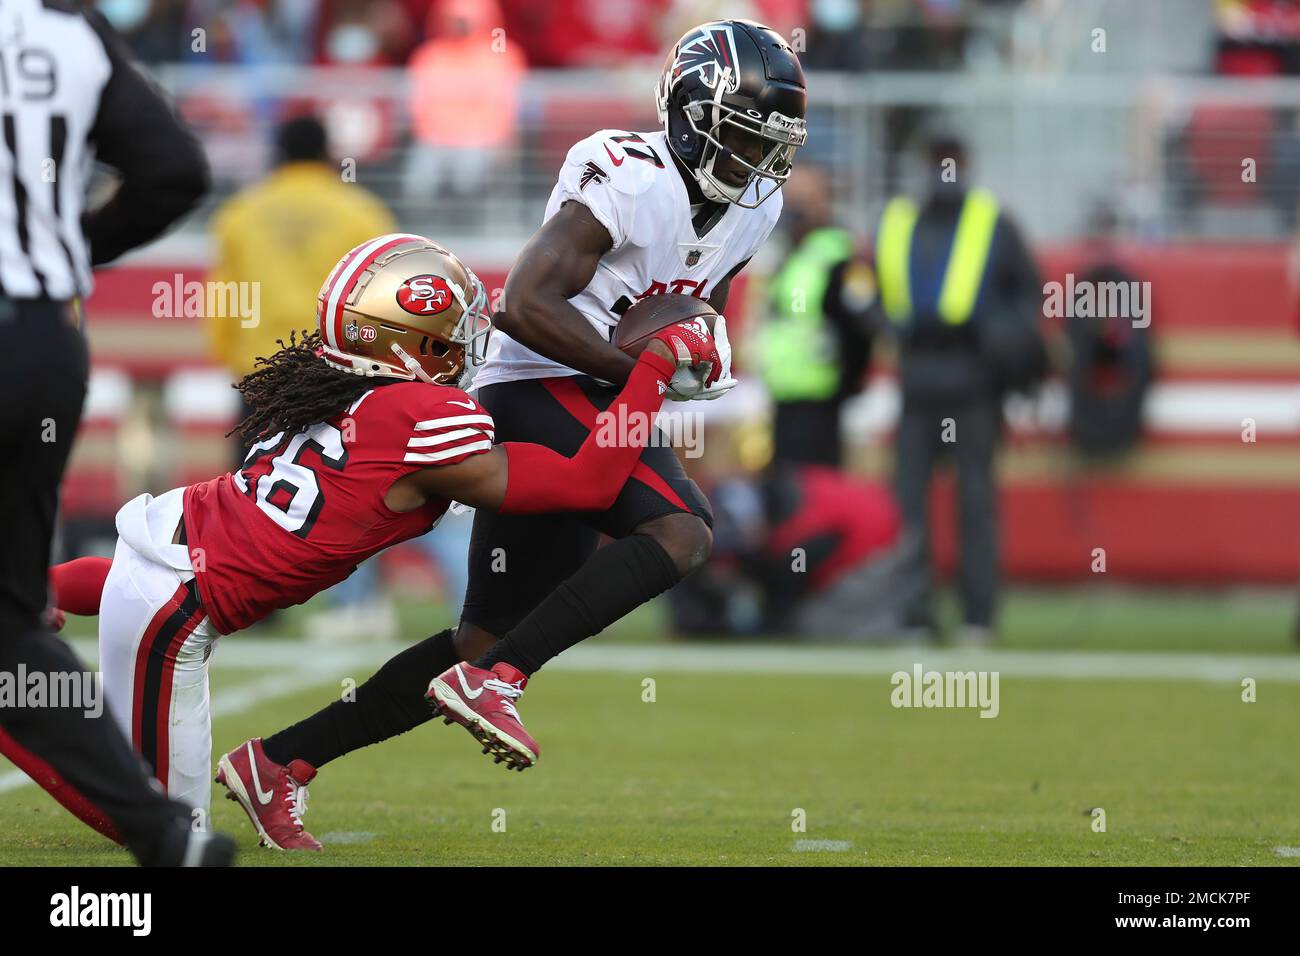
{"type": "Point", "coordinates": [402, 306]}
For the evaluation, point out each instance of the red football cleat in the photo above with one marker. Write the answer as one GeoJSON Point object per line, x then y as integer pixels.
{"type": "Point", "coordinates": [273, 796]}
{"type": "Point", "coordinates": [483, 703]}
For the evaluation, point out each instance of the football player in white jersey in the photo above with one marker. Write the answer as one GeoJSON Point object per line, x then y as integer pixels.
{"type": "Point", "coordinates": [677, 210]}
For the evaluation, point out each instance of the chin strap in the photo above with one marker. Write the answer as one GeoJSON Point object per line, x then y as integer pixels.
{"type": "Point", "coordinates": [412, 365]}
{"type": "Point", "coordinates": [712, 188]}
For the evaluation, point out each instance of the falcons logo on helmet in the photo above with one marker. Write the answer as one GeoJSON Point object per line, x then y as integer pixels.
{"type": "Point", "coordinates": [711, 53]}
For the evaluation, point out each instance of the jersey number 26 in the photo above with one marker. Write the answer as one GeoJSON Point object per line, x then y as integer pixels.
{"type": "Point", "coordinates": [290, 493]}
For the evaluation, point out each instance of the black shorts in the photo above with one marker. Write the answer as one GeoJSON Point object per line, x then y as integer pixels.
{"type": "Point", "coordinates": [517, 560]}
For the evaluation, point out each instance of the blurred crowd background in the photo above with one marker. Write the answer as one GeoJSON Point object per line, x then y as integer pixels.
{"type": "Point", "coordinates": [1154, 141]}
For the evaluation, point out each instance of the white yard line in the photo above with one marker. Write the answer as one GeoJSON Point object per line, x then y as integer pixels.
{"type": "Point", "coordinates": [285, 655]}
{"type": "Point", "coordinates": [864, 662]}
{"type": "Point", "coordinates": [295, 665]}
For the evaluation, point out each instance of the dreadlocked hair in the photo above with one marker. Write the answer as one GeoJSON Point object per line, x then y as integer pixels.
{"type": "Point", "coordinates": [295, 389]}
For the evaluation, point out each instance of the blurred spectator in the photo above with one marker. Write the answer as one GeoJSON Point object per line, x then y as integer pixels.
{"type": "Point", "coordinates": [1258, 37]}
{"type": "Point", "coordinates": [963, 297]}
{"type": "Point", "coordinates": [1111, 364]}
{"type": "Point", "coordinates": [837, 38]}
{"type": "Point", "coordinates": [371, 33]}
{"type": "Point", "coordinates": [918, 34]}
{"type": "Point", "coordinates": [154, 29]}
{"type": "Point", "coordinates": [335, 32]}
{"type": "Point", "coordinates": [285, 233]}
{"type": "Point", "coordinates": [464, 100]}
{"type": "Point", "coordinates": [783, 16]}
{"type": "Point", "coordinates": [589, 33]}
{"type": "Point", "coordinates": [251, 32]}
{"type": "Point", "coordinates": [815, 337]}
{"type": "Point", "coordinates": [801, 551]}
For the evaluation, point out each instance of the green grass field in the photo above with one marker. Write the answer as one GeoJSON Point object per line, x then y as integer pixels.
{"type": "Point", "coordinates": [740, 738]}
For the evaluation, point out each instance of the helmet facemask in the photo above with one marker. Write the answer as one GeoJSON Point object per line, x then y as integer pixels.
{"type": "Point", "coordinates": [700, 145]}
{"type": "Point", "coordinates": [469, 338]}
{"type": "Point", "coordinates": [780, 136]}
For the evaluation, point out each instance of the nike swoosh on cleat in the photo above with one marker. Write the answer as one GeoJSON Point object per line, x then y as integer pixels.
{"type": "Point", "coordinates": [464, 687]}
{"type": "Point", "coordinates": [263, 796]}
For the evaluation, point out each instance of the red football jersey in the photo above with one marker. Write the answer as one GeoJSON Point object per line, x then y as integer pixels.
{"type": "Point", "coordinates": [306, 509]}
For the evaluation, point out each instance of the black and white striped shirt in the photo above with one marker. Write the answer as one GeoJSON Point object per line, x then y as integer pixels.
{"type": "Point", "coordinates": [68, 97]}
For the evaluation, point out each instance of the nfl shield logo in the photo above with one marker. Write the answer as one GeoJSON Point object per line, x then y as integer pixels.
{"type": "Point", "coordinates": [350, 332]}
{"type": "Point", "coordinates": [692, 258]}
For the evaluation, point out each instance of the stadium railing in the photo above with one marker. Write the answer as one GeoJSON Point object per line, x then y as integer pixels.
{"type": "Point", "coordinates": [1166, 152]}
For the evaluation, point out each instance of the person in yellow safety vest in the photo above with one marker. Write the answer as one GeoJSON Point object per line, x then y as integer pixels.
{"type": "Point", "coordinates": [814, 339]}
{"type": "Point", "coordinates": [963, 298]}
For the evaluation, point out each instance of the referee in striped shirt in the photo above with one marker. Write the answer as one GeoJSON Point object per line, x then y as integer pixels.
{"type": "Point", "coordinates": [69, 97]}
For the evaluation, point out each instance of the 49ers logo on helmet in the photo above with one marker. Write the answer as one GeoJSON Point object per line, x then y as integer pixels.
{"type": "Point", "coordinates": [425, 295]}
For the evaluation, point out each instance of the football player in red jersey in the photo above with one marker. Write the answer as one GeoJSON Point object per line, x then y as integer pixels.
{"type": "Point", "coordinates": [359, 440]}
{"type": "Point", "coordinates": [633, 214]}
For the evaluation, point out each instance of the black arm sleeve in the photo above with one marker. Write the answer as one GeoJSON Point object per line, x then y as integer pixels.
{"type": "Point", "coordinates": [852, 321]}
{"type": "Point", "coordinates": [1013, 341]}
{"type": "Point", "coordinates": [1016, 277]}
{"type": "Point", "coordinates": [163, 169]}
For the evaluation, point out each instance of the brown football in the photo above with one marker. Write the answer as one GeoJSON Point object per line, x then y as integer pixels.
{"type": "Point", "coordinates": [654, 313]}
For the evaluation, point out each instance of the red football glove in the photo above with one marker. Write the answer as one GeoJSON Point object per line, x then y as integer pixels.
{"type": "Point", "coordinates": [693, 345]}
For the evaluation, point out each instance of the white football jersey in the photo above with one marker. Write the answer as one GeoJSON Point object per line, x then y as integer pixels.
{"type": "Point", "coordinates": [632, 186]}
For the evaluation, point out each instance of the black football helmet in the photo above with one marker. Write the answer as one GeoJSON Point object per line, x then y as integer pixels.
{"type": "Point", "coordinates": [740, 74]}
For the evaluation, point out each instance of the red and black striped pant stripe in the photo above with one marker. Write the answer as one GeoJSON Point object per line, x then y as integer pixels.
{"type": "Point", "coordinates": [155, 665]}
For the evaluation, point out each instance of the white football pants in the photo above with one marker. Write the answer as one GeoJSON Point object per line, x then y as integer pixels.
{"type": "Point", "coordinates": [154, 643]}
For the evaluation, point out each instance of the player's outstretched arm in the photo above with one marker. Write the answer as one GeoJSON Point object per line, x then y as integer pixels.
{"type": "Point", "coordinates": [558, 263]}
{"type": "Point", "coordinates": [523, 478]}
